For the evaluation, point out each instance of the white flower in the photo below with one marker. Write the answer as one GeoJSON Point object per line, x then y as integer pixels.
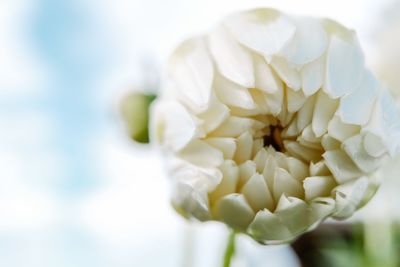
{"type": "Point", "coordinates": [271, 124]}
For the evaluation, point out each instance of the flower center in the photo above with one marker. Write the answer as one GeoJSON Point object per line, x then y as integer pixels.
{"type": "Point", "coordinates": [275, 138]}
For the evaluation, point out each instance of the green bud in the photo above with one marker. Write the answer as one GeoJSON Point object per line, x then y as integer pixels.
{"type": "Point", "coordinates": [135, 111]}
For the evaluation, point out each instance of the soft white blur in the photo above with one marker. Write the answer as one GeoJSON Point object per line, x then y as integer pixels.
{"type": "Point", "coordinates": [74, 190]}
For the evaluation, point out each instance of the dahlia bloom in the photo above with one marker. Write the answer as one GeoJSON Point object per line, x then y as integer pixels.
{"type": "Point", "coordinates": [271, 123]}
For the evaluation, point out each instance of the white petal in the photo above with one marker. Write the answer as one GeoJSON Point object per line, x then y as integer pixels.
{"type": "Point", "coordinates": [309, 136]}
{"type": "Point", "coordinates": [275, 29]}
{"type": "Point", "coordinates": [285, 117]}
{"type": "Point", "coordinates": [321, 208]}
{"type": "Point", "coordinates": [204, 179]}
{"type": "Point", "coordinates": [313, 75]}
{"type": "Point", "coordinates": [260, 160]}
{"type": "Point", "coordinates": [318, 186]}
{"type": "Point", "coordinates": [309, 42]}
{"type": "Point", "coordinates": [268, 227]}
{"type": "Point", "coordinates": [191, 70]}
{"type": "Point", "coordinates": [330, 143]}
{"type": "Point", "coordinates": [302, 152]}
{"type": "Point", "coordinates": [319, 169]}
{"type": "Point", "coordinates": [280, 158]}
{"type": "Point", "coordinates": [274, 101]}
{"type": "Point", "coordinates": [356, 108]}
{"type": "Point", "coordinates": [284, 183]}
{"type": "Point", "coordinates": [174, 126]}
{"type": "Point", "coordinates": [325, 108]}
{"type": "Point", "coordinates": [316, 146]}
{"type": "Point", "coordinates": [262, 99]}
{"type": "Point", "coordinates": [191, 201]}
{"type": "Point", "coordinates": [305, 114]}
{"type": "Point", "coordinates": [349, 197]}
{"type": "Point", "coordinates": [288, 73]}
{"type": "Point", "coordinates": [297, 168]}
{"type": "Point", "coordinates": [232, 60]}
{"type": "Point", "coordinates": [355, 150]}
{"type": "Point", "coordinates": [258, 144]}
{"type": "Point", "coordinates": [341, 166]}
{"type": "Point", "coordinates": [373, 145]}
{"type": "Point", "coordinates": [246, 171]}
{"type": "Point", "coordinates": [202, 154]}
{"type": "Point", "coordinates": [385, 122]}
{"type": "Point", "coordinates": [295, 99]}
{"type": "Point", "coordinates": [293, 213]}
{"type": "Point", "coordinates": [226, 145]}
{"type": "Point", "coordinates": [340, 130]}
{"type": "Point", "coordinates": [214, 115]}
{"type": "Point", "coordinates": [230, 177]}
{"type": "Point", "coordinates": [233, 94]}
{"type": "Point", "coordinates": [257, 193]}
{"type": "Point", "coordinates": [269, 170]}
{"type": "Point", "coordinates": [235, 126]}
{"type": "Point", "coordinates": [344, 67]}
{"type": "Point", "coordinates": [244, 148]}
{"type": "Point", "coordinates": [266, 79]}
{"type": "Point", "coordinates": [234, 210]}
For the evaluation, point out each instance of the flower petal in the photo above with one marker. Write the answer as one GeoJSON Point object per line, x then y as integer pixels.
{"type": "Point", "coordinates": [297, 168]}
{"type": "Point", "coordinates": [188, 200]}
{"type": "Point", "coordinates": [202, 154]}
{"type": "Point", "coordinates": [321, 208]}
{"type": "Point", "coordinates": [330, 143]}
{"type": "Point", "coordinates": [268, 227]}
{"type": "Point", "coordinates": [305, 114]}
{"type": "Point", "coordinates": [293, 213]}
{"type": "Point", "coordinates": [312, 75]}
{"type": "Point", "coordinates": [233, 94]}
{"type": "Point", "coordinates": [234, 210]}
{"type": "Point", "coordinates": [173, 125]}
{"type": "Point", "coordinates": [226, 145]}
{"type": "Point", "coordinates": [341, 166]}
{"type": "Point", "coordinates": [230, 177]}
{"type": "Point", "coordinates": [324, 110]}
{"type": "Point", "coordinates": [318, 186]}
{"type": "Point", "coordinates": [356, 107]}
{"type": "Point", "coordinates": [265, 78]}
{"type": "Point", "coordinates": [319, 169]}
{"type": "Point", "coordinates": [213, 117]}
{"type": "Point", "coordinates": [246, 171]}
{"type": "Point", "coordinates": [276, 30]}
{"type": "Point", "coordinates": [232, 60]}
{"type": "Point", "coordinates": [309, 42]}
{"type": "Point", "coordinates": [285, 184]}
{"type": "Point", "coordinates": [235, 126]}
{"type": "Point", "coordinates": [295, 99]}
{"type": "Point", "coordinates": [385, 122]}
{"type": "Point", "coordinates": [373, 145]}
{"type": "Point", "coordinates": [191, 70]}
{"type": "Point", "coordinates": [349, 197]}
{"type": "Point", "coordinates": [244, 148]}
{"type": "Point", "coordinates": [288, 73]}
{"type": "Point", "coordinates": [257, 193]}
{"type": "Point", "coordinates": [302, 152]}
{"type": "Point", "coordinates": [356, 151]}
{"type": "Point", "coordinates": [344, 67]}
{"type": "Point", "coordinates": [340, 130]}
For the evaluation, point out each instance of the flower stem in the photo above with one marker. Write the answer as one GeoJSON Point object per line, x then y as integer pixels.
{"type": "Point", "coordinates": [230, 249]}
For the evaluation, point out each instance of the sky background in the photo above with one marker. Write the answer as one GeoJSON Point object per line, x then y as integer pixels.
{"type": "Point", "coordinates": [74, 190]}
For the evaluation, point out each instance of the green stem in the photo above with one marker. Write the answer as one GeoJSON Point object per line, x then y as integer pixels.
{"type": "Point", "coordinates": [230, 249]}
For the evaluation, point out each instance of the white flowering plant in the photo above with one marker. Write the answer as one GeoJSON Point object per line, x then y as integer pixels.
{"type": "Point", "coordinates": [271, 123]}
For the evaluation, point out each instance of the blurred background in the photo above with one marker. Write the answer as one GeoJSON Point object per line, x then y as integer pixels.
{"type": "Point", "coordinates": [76, 191]}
